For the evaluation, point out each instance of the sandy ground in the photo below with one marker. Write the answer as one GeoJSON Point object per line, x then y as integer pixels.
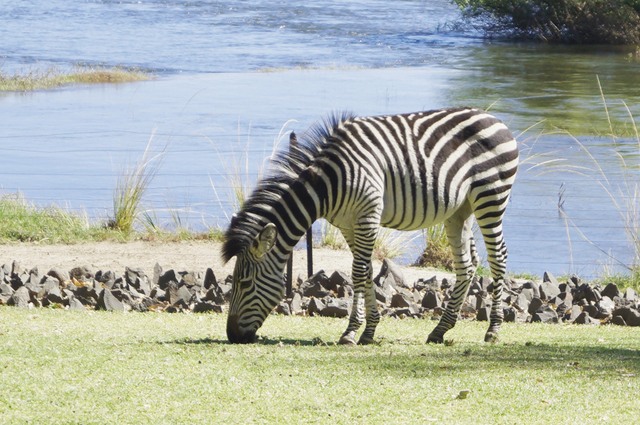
{"type": "Point", "coordinates": [182, 256]}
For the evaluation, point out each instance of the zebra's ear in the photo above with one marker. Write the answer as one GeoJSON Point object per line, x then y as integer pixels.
{"type": "Point", "coordinates": [265, 240]}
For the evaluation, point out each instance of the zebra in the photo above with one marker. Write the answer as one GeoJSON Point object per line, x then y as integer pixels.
{"type": "Point", "coordinates": [406, 172]}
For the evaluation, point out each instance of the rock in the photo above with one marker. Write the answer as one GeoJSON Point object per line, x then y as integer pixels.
{"type": "Point", "coordinates": [167, 278]}
{"type": "Point", "coordinates": [338, 280]}
{"type": "Point", "coordinates": [549, 290]}
{"type": "Point", "coordinates": [210, 279]}
{"type": "Point", "coordinates": [429, 284]}
{"type": "Point", "coordinates": [207, 307]}
{"type": "Point", "coordinates": [54, 296]}
{"type": "Point", "coordinates": [346, 291]}
{"type": "Point", "coordinates": [320, 278]}
{"type": "Point", "coordinates": [20, 298]}
{"type": "Point", "coordinates": [606, 306]}
{"type": "Point", "coordinates": [432, 299]}
{"type": "Point", "coordinates": [283, 308]}
{"type": "Point", "coordinates": [535, 305]}
{"type": "Point", "coordinates": [178, 294]}
{"type": "Point", "coordinates": [315, 306]}
{"type": "Point", "coordinates": [630, 316]}
{"type": "Point", "coordinates": [82, 273]}
{"type": "Point", "coordinates": [611, 291]}
{"type": "Point", "coordinates": [336, 307]}
{"type": "Point", "coordinates": [509, 314]}
{"type": "Point", "coordinates": [549, 278]}
{"type": "Point", "coordinates": [545, 314]}
{"type": "Point", "coordinates": [401, 299]}
{"type": "Point", "coordinates": [523, 299]}
{"type": "Point", "coordinates": [585, 319]}
{"type": "Point", "coordinates": [107, 301]}
{"type": "Point", "coordinates": [76, 304]}
{"type": "Point", "coordinates": [296, 304]}
{"type": "Point", "coordinates": [586, 292]}
{"type": "Point", "coordinates": [618, 320]}
{"type": "Point", "coordinates": [383, 294]}
{"type": "Point", "coordinates": [572, 313]}
{"type": "Point", "coordinates": [391, 269]}
{"type": "Point", "coordinates": [485, 312]}
{"type": "Point", "coordinates": [132, 274]}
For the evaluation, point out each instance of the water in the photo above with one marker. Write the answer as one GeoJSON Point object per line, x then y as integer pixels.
{"type": "Point", "coordinates": [232, 78]}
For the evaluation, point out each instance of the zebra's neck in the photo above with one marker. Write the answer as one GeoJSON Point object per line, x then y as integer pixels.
{"type": "Point", "coordinates": [300, 204]}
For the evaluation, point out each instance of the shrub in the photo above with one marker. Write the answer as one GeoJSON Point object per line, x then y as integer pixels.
{"type": "Point", "coordinates": [566, 21]}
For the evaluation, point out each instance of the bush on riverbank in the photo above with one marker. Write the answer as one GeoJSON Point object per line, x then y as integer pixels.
{"type": "Point", "coordinates": [564, 21]}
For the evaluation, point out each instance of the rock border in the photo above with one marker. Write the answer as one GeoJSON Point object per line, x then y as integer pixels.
{"type": "Point", "coordinates": [331, 295]}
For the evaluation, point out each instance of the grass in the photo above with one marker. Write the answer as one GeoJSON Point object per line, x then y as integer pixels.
{"type": "Point", "coordinates": [437, 253]}
{"type": "Point", "coordinates": [22, 222]}
{"type": "Point", "coordinates": [130, 189]}
{"type": "Point", "coordinates": [97, 367]}
{"type": "Point", "coordinates": [53, 78]}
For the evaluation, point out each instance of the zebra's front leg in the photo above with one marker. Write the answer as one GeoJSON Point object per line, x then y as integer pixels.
{"type": "Point", "coordinates": [364, 291]}
{"type": "Point", "coordinates": [372, 314]}
{"type": "Point", "coordinates": [355, 320]}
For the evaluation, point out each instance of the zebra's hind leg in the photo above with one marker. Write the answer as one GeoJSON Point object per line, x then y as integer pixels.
{"type": "Point", "coordinates": [490, 223]}
{"type": "Point", "coordinates": [497, 253]}
{"type": "Point", "coordinates": [459, 233]}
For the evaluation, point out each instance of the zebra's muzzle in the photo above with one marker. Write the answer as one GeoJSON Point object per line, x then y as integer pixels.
{"type": "Point", "coordinates": [236, 335]}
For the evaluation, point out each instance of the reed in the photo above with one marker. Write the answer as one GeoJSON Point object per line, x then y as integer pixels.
{"type": "Point", "coordinates": [130, 189]}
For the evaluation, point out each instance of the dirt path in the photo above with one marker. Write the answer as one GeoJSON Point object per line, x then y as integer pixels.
{"type": "Point", "coordinates": [189, 256]}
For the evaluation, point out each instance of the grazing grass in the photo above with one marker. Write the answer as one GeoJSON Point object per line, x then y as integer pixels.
{"type": "Point", "coordinates": [52, 78]}
{"type": "Point", "coordinates": [98, 367]}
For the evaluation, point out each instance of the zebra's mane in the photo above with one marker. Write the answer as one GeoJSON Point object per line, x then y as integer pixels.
{"type": "Point", "coordinates": [285, 168]}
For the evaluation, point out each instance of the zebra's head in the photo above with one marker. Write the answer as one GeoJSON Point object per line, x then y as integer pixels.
{"type": "Point", "coordinates": [257, 287]}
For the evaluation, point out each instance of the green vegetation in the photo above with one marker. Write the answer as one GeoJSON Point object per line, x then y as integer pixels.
{"type": "Point", "coordinates": [52, 78]}
{"type": "Point", "coordinates": [130, 189]}
{"type": "Point", "coordinates": [566, 21]}
{"type": "Point", "coordinates": [22, 222]}
{"type": "Point", "coordinates": [97, 367]}
{"type": "Point", "coordinates": [437, 253]}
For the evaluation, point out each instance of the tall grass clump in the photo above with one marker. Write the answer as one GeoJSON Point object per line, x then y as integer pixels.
{"type": "Point", "coordinates": [130, 189]}
{"type": "Point", "coordinates": [53, 77]}
{"type": "Point", "coordinates": [564, 21]}
{"type": "Point", "coordinates": [437, 253]}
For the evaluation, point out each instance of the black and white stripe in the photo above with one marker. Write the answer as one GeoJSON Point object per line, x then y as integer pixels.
{"type": "Point", "coordinates": [405, 172]}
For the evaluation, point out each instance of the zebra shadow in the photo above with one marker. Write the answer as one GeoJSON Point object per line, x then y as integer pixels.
{"type": "Point", "coordinates": [260, 341]}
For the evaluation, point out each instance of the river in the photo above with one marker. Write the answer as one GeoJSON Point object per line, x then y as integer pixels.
{"type": "Point", "coordinates": [231, 78]}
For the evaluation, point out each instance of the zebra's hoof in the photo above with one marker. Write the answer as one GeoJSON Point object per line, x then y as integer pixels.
{"type": "Point", "coordinates": [435, 339]}
{"type": "Point", "coordinates": [491, 337]}
{"type": "Point", "coordinates": [365, 340]}
{"type": "Point", "coordinates": [347, 339]}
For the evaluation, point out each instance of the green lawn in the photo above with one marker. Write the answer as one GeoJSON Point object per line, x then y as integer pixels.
{"type": "Point", "coordinates": [97, 367]}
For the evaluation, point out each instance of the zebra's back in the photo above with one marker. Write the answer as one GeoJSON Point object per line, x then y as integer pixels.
{"type": "Point", "coordinates": [427, 164]}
